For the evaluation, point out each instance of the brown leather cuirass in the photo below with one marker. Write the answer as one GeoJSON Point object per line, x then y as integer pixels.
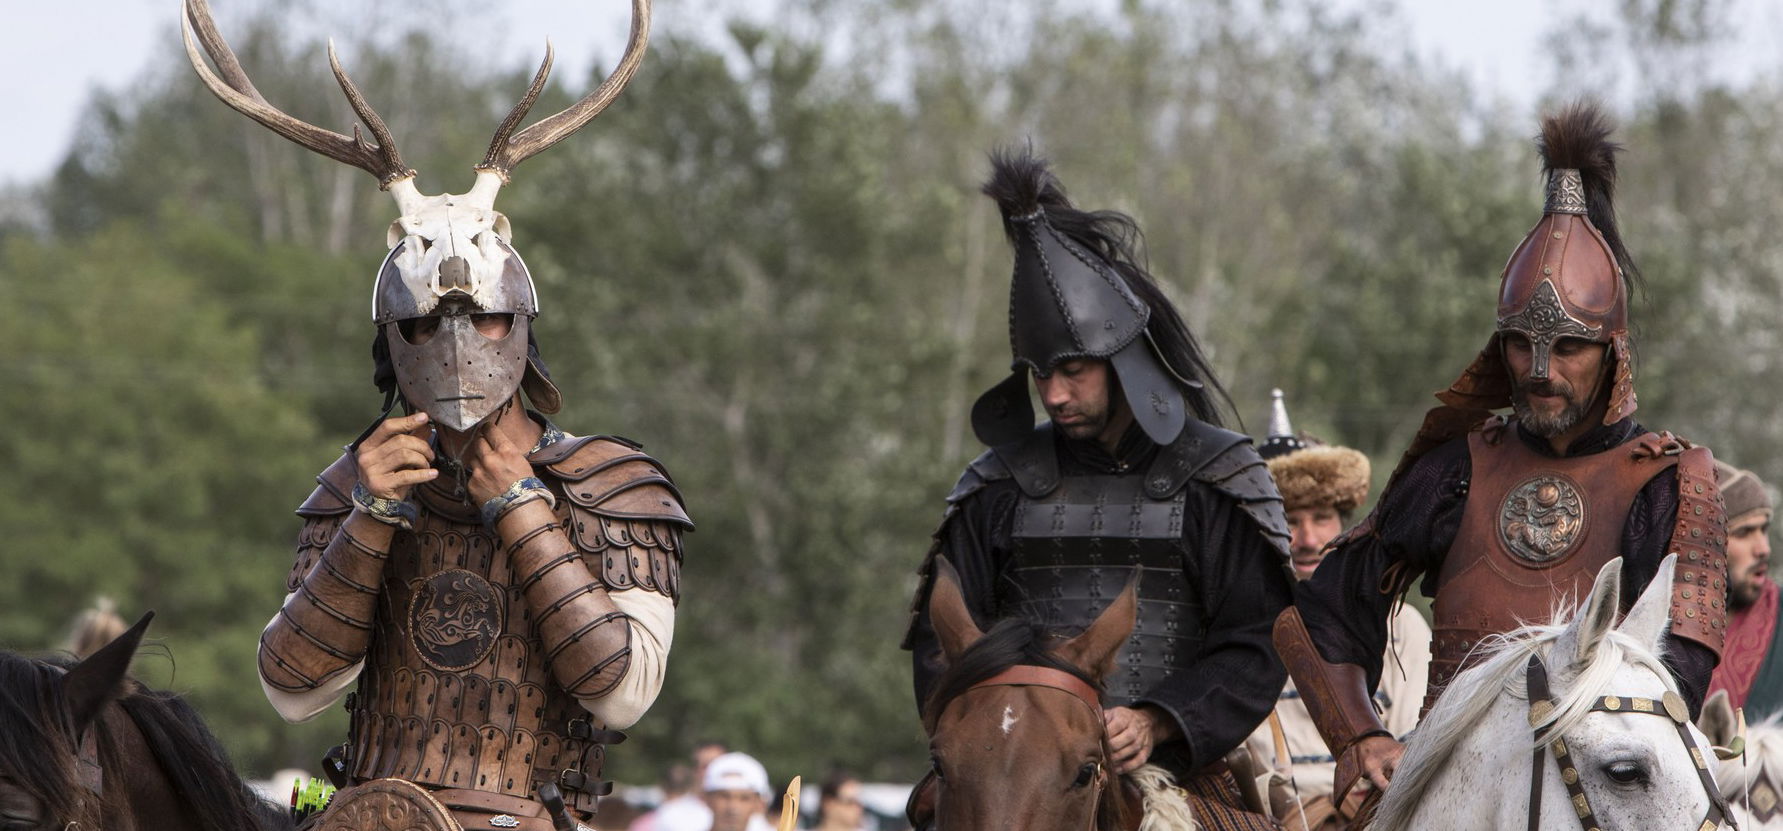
{"type": "Point", "coordinates": [457, 689]}
{"type": "Point", "coordinates": [1534, 534]}
{"type": "Point", "coordinates": [456, 692]}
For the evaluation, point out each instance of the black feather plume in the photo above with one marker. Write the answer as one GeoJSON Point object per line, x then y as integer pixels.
{"type": "Point", "coordinates": [1578, 138]}
{"type": "Point", "coordinates": [1022, 183]}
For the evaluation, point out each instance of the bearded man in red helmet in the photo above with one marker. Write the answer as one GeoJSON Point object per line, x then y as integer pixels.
{"type": "Point", "coordinates": [1503, 516]}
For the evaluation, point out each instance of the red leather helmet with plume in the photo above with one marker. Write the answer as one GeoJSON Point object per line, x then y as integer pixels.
{"type": "Point", "coordinates": [1569, 277]}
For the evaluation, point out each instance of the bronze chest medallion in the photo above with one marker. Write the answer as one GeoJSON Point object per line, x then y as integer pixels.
{"type": "Point", "coordinates": [454, 620]}
{"type": "Point", "coordinates": [1542, 518]}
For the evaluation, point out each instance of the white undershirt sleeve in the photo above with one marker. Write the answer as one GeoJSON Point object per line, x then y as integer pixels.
{"type": "Point", "coordinates": [303, 706]}
{"type": "Point", "coordinates": [652, 620]}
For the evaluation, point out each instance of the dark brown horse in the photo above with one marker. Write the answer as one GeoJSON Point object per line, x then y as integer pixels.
{"type": "Point", "coordinates": [1015, 723]}
{"type": "Point", "coordinates": [83, 748]}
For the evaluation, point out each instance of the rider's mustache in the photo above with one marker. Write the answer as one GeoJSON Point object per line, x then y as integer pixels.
{"type": "Point", "coordinates": [1550, 386]}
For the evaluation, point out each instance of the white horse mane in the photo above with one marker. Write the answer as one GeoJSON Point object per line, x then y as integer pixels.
{"type": "Point", "coordinates": [1166, 806]}
{"type": "Point", "coordinates": [1501, 672]}
{"type": "Point", "coordinates": [1764, 751]}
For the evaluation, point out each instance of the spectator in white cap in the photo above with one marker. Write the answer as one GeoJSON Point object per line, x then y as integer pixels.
{"type": "Point", "coordinates": [736, 787]}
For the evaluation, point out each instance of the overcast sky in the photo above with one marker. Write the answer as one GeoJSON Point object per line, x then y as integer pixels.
{"type": "Point", "coordinates": [54, 54]}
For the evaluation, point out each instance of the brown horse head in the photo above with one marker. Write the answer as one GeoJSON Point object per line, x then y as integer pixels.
{"type": "Point", "coordinates": [84, 747]}
{"type": "Point", "coordinates": [1015, 721]}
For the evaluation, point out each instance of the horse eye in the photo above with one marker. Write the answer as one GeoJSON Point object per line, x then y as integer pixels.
{"type": "Point", "coordinates": [1086, 774]}
{"type": "Point", "coordinates": [1625, 773]}
{"type": "Point", "coordinates": [935, 765]}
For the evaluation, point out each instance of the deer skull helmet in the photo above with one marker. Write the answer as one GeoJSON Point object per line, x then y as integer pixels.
{"type": "Point", "coordinates": [453, 300]}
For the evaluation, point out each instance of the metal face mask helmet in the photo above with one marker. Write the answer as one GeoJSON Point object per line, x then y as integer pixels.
{"type": "Point", "coordinates": [450, 255]}
{"type": "Point", "coordinates": [1066, 303]}
{"type": "Point", "coordinates": [449, 268]}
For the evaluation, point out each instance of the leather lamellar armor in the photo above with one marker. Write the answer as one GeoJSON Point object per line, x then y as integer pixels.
{"type": "Point", "coordinates": [1076, 540]}
{"type": "Point", "coordinates": [1537, 529]}
{"type": "Point", "coordinates": [456, 691]}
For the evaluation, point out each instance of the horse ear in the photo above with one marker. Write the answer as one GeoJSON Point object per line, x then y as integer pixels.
{"type": "Point", "coordinates": [94, 682]}
{"type": "Point", "coordinates": [1718, 722]}
{"type": "Point", "coordinates": [1095, 648]}
{"type": "Point", "coordinates": [953, 622]}
{"type": "Point", "coordinates": [1595, 620]}
{"type": "Point", "coordinates": [1651, 616]}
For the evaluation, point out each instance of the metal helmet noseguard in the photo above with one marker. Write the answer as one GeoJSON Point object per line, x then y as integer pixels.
{"type": "Point", "coordinates": [1569, 277]}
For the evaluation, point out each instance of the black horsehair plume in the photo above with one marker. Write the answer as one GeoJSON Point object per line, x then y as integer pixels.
{"type": "Point", "coordinates": [1578, 138]}
{"type": "Point", "coordinates": [1022, 183]}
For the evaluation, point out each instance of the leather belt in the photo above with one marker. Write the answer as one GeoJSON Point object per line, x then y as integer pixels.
{"type": "Point", "coordinates": [476, 810]}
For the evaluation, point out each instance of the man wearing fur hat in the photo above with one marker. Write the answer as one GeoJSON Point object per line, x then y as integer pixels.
{"type": "Point", "coordinates": [1130, 476]}
{"type": "Point", "coordinates": [1322, 486]}
{"type": "Point", "coordinates": [1751, 669]}
{"type": "Point", "coordinates": [1504, 516]}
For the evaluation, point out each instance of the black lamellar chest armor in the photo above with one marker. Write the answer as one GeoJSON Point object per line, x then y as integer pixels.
{"type": "Point", "coordinates": [1076, 540]}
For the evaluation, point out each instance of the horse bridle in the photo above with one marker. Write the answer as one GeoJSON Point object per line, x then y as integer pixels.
{"type": "Point", "coordinates": [1058, 679]}
{"type": "Point", "coordinates": [1541, 708]}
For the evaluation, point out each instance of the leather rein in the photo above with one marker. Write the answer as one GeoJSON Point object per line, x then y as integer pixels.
{"type": "Point", "coordinates": [1541, 708]}
{"type": "Point", "coordinates": [1065, 682]}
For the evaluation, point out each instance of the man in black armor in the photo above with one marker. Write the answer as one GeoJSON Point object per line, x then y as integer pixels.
{"type": "Point", "coordinates": [1131, 471]}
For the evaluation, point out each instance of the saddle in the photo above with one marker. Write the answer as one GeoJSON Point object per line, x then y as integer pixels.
{"type": "Point", "coordinates": [401, 805]}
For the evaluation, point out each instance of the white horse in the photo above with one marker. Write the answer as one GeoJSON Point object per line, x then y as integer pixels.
{"type": "Point", "coordinates": [1613, 731]}
{"type": "Point", "coordinates": [1752, 781]}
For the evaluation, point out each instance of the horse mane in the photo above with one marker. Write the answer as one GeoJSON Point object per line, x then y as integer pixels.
{"type": "Point", "coordinates": [1501, 672]}
{"type": "Point", "coordinates": [188, 753]}
{"type": "Point", "coordinates": [36, 749]}
{"type": "Point", "coordinates": [197, 765]}
{"type": "Point", "coordinates": [1011, 642]}
{"type": "Point", "coordinates": [1764, 751]}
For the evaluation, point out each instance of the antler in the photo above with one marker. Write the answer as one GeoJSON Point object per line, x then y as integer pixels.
{"type": "Point", "coordinates": [504, 152]}
{"type": "Point", "coordinates": [381, 160]}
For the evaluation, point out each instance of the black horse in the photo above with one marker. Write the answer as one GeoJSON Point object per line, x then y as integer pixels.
{"type": "Point", "coordinates": [84, 747]}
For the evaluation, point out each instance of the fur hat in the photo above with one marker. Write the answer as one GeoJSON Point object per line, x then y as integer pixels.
{"type": "Point", "coordinates": [1744, 493]}
{"type": "Point", "coordinates": [1321, 477]}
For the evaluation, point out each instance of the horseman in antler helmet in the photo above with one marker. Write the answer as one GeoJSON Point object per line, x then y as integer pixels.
{"type": "Point", "coordinates": [499, 594]}
{"type": "Point", "coordinates": [1505, 516]}
{"type": "Point", "coordinates": [1131, 472]}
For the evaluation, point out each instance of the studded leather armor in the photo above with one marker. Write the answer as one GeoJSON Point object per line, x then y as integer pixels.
{"type": "Point", "coordinates": [459, 689]}
{"type": "Point", "coordinates": [1073, 552]}
{"type": "Point", "coordinates": [1537, 529]}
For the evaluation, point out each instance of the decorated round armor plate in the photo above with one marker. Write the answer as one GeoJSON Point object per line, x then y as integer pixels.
{"type": "Point", "coordinates": [454, 619]}
{"type": "Point", "coordinates": [1542, 518]}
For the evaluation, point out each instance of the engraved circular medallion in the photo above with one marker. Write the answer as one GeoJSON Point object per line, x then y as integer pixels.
{"type": "Point", "coordinates": [1542, 518]}
{"type": "Point", "coordinates": [454, 620]}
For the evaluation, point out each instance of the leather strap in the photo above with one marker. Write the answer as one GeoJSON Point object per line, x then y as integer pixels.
{"type": "Point", "coordinates": [1541, 709]}
{"type": "Point", "coordinates": [1032, 676]}
{"type": "Point", "coordinates": [477, 809]}
{"type": "Point", "coordinates": [1336, 696]}
{"type": "Point", "coordinates": [1541, 704]}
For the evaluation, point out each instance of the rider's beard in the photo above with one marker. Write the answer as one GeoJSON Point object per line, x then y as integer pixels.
{"type": "Point", "coordinates": [1547, 426]}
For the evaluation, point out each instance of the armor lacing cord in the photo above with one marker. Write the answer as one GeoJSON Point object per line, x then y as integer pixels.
{"type": "Point", "coordinates": [324, 627]}
{"type": "Point", "coordinates": [579, 646]}
{"type": "Point", "coordinates": [539, 574]}
{"type": "Point", "coordinates": [528, 536]}
{"type": "Point", "coordinates": [343, 617]}
{"type": "Point", "coordinates": [566, 600]}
